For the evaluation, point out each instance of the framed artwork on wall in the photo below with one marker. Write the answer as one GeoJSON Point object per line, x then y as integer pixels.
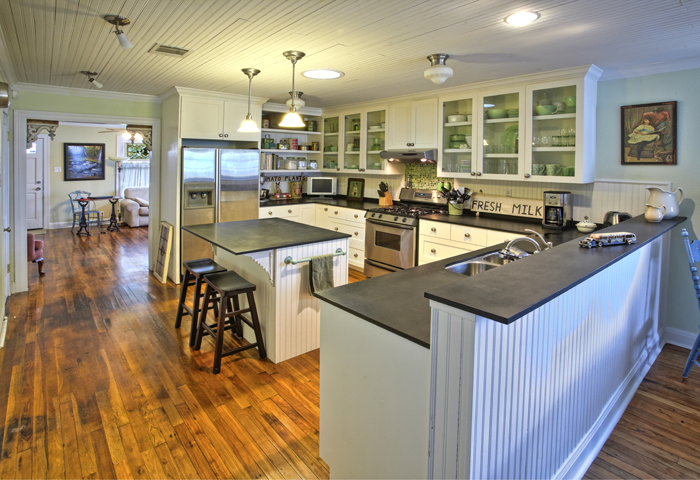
{"type": "Point", "coordinates": [356, 189]}
{"type": "Point", "coordinates": [649, 134]}
{"type": "Point", "coordinates": [83, 161]}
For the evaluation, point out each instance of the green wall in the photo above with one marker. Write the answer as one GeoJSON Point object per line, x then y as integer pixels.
{"type": "Point", "coordinates": [682, 308]}
{"type": "Point", "coordinates": [47, 102]}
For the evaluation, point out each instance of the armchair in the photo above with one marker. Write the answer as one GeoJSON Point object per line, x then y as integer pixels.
{"type": "Point", "coordinates": [35, 252]}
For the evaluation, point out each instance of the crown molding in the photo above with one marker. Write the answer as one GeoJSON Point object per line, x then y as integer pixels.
{"type": "Point", "coordinates": [210, 94]}
{"type": "Point", "coordinates": [652, 69]}
{"type": "Point", "coordinates": [590, 71]}
{"type": "Point", "coordinates": [283, 108]}
{"type": "Point", "coordinates": [84, 92]}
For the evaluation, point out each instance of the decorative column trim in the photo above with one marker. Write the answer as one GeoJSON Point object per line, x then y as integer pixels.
{"type": "Point", "coordinates": [34, 128]}
{"type": "Point", "coordinates": [146, 132]}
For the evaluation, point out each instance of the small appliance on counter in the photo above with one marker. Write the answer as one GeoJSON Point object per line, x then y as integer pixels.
{"type": "Point", "coordinates": [613, 218]}
{"type": "Point", "coordinates": [557, 210]}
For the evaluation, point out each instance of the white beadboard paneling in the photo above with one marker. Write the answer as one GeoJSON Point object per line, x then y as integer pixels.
{"type": "Point", "coordinates": [543, 394]}
{"type": "Point", "coordinates": [289, 316]}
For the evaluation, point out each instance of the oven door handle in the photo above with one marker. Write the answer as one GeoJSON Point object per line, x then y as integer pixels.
{"type": "Point", "coordinates": [389, 224]}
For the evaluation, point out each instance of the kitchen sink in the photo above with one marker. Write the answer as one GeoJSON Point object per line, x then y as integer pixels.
{"type": "Point", "coordinates": [475, 266]}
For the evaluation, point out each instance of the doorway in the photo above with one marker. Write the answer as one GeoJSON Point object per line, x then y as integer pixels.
{"type": "Point", "coordinates": [37, 184]}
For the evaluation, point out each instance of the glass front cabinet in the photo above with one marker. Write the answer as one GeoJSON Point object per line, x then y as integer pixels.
{"type": "Point", "coordinates": [331, 143]}
{"type": "Point", "coordinates": [458, 134]}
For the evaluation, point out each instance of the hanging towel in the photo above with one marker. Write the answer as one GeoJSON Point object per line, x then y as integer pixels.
{"type": "Point", "coordinates": [320, 273]}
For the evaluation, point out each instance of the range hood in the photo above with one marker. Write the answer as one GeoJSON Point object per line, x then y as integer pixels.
{"type": "Point", "coordinates": [410, 156]}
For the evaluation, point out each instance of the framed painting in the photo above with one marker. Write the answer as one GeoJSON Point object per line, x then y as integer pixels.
{"type": "Point", "coordinates": [649, 134]}
{"type": "Point", "coordinates": [356, 189]}
{"type": "Point", "coordinates": [83, 161]}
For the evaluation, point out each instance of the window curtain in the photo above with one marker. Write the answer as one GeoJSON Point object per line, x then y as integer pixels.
{"type": "Point", "coordinates": [134, 175]}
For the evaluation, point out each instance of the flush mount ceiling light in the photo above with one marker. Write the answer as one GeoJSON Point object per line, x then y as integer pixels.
{"type": "Point", "coordinates": [438, 71]}
{"type": "Point", "coordinates": [521, 18]}
{"type": "Point", "coordinates": [292, 119]}
{"type": "Point", "coordinates": [323, 74]}
{"type": "Point", "coordinates": [248, 125]}
{"type": "Point", "coordinates": [298, 102]}
{"type": "Point", "coordinates": [91, 78]}
{"type": "Point", "coordinates": [118, 21]}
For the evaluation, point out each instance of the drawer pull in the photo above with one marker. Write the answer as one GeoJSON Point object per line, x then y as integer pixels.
{"type": "Point", "coordinates": [355, 255]}
{"type": "Point", "coordinates": [433, 229]}
{"type": "Point", "coordinates": [336, 212]}
{"type": "Point", "coordinates": [325, 209]}
{"type": "Point", "coordinates": [356, 234]}
{"type": "Point", "coordinates": [356, 215]}
{"type": "Point", "coordinates": [432, 250]}
{"type": "Point", "coordinates": [336, 229]}
{"type": "Point", "coordinates": [269, 213]}
{"type": "Point", "coordinates": [289, 211]}
{"type": "Point", "coordinates": [466, 235]}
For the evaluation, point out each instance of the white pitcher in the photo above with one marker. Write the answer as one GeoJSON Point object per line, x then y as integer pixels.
{"type": "Point", "coordinates": [654, 214]}
{"type": "Point", "coordinates": [667, 199]}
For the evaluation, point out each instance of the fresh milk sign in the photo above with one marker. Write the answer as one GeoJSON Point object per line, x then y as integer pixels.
{"type": "Point", "coordinates": [519, 207]}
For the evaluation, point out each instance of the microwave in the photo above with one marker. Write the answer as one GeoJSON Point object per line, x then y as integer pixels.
{"type": "Point", "coordinates": [321, 186]}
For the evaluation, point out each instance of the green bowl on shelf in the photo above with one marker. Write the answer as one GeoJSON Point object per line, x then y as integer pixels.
{"type": "Point", "coordinates": [497, 113]}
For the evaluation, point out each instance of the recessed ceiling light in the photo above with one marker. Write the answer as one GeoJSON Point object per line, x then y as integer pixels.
{"type": "Point", "coordinates": [521, 18]}
{"type": "Point", "coordinates": [323, 74]}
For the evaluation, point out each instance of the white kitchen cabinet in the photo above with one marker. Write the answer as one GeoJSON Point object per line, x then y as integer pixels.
{"type": "Point", "coordinates": [307, 214]}
{"type": "Point", "coordinates": [288, 212]}
{"type": "Point", "coordinates": [323, 219]}
{"type": "Point", "coordinates": [413, 124]}
{"type": "Point", "coordinates": [440, 240]}
{"type": "Point", "coordinates": [216, 119]}
{"type": "Point", "coordinates": [456, 156]}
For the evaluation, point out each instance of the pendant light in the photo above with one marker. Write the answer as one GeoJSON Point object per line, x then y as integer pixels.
{"type": "Point", "coordinates": [298, 101]}
{"type": "Point", "coordinates": [293, 119]}
{"type": "Point", "coordinates": [118, 21]}
{"type": "Point", "coordinates": [248, 125]}
{"type": "Point", "coordinates": [438, 71]}
{"type": "Point", "coordinates": [91, 78]}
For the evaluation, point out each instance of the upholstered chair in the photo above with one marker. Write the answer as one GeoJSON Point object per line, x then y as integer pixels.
{"type": "Point", "coordinates": [35, 252]}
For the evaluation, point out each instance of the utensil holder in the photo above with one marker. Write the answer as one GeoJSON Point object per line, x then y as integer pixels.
{"type": "Point", "coordinates": [455, 208]}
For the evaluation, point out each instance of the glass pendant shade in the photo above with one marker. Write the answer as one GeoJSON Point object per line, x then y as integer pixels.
{"type": "Point", "coordinates": [292, 120]}
{"type": "Point", "coordinates": [248, 125]}
{"type": "Point", "coordinates": [438, 71]}
{"type": "Point", "coordinates": [123, 41]}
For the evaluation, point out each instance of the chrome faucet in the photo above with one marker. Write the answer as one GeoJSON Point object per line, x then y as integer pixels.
{"type": "Point", "coordinates": [514, 253]}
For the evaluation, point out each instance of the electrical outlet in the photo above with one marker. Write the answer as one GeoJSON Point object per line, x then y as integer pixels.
{"type": "Point", "coordinates": [56, 169]}
{"type": "Point", "coordinates": [509, 192]}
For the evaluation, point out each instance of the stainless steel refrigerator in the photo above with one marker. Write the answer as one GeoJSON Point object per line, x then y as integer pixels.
{"type": "Point", "coordinates": [218, 185]}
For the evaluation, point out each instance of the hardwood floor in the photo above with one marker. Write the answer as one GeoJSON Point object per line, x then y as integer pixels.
{"type": "Point", "coordinates": [658, 436]}
{"type": "Point", "coordinates": [96, 382]}
{"type": "Point", "coordinates": [355, 276]}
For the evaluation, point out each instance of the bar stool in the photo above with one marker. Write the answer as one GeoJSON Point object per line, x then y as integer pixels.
{"type": "Point", "coordinates": [228, 285]}
{"type": "Point", "coordinates": [195, 271]}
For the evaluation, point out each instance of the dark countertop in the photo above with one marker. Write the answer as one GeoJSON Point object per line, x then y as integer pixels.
{"type": "Point", "coordinates": [249, 236]}
{"type": "Point", "coordinates": [337, 201]}
{"type": "Point", "coordinates": [398, 302]}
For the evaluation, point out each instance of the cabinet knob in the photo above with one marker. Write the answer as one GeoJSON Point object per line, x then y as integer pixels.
{"type": "Point", "coordinates": [338, 168]}
{"type": "Point", "coordinates": [466, 235]}
{"type": "Point", "coordinates": [269, 213]}
{"type": "Point", "coordinates": [336, 229]}
{"type": "Point", "coordinates": [336, 212]}
{"type": "Point", "coordinates": [357, 234]}
{"type": "Point", "coordinates": [432, 250]}
{"type": "Point", "coordinates": [527, 175]}
{"type": "Point", "coordinates": [355, 255]}
{"type": "Point", "coordinates": [433, 229]}
{"type": "Point", "coordinates": [356, 215]}
{"type": "Point", "coordinates": [325, 209]}
{"type": "Point", "coordinates": [478, 174]}
{"type": "Point", "coordinates": [221, 135]}
{"type": "Point", "coordinates": [225, 135]}
{"type": "Point", "coordinates": [289, 211]}
{"type": "Point", "coordinates": [473, 174]}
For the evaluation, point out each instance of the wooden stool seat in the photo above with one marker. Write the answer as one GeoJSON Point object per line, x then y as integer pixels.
{"type": "Point", "coordinates": [195, 271]}
{"type": "Point", "coordinates": [225, 287]}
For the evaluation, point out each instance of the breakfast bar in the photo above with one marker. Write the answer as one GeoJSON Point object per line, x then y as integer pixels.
{"type": "Point", "coordinates": [263, 252]}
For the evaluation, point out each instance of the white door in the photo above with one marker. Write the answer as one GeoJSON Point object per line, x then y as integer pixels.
{"type": "Point", "coordinates": [35, 185]}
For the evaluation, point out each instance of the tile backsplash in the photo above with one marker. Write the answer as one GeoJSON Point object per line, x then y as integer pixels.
{"type": "Point", "coordinates": [425, 176]}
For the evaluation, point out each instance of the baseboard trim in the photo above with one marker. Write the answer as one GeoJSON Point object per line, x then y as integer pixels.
{"type": "Point", "coordinates": [679, 338]}
{"type": "Point", "coordinates": [588, 450]}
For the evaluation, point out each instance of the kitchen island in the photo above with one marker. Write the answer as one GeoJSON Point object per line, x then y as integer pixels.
{"type": "Point", "coordinates": [523, 372]}
{"type": "Point", "coordinates": [256, 250]}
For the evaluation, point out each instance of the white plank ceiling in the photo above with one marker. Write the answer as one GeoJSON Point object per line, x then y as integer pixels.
{"type": "Point", "coordinates": [381, 45]}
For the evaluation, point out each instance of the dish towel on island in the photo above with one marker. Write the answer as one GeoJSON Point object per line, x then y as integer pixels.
{"type": "Point", "coordinates": [320, 273]}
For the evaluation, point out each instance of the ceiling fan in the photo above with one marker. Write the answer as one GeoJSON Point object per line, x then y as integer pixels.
{"type": "Point", "coordinates": [125, 134]}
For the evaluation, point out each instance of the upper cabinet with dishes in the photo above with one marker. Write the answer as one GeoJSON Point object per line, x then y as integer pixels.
{"type": "Point", "coordinates": [353, 139]}
{"type": "Point", "coordinates": [542, 132]}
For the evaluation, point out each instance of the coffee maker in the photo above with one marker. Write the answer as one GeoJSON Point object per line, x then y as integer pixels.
{"type": "Point", "coordinates": [557, 210]}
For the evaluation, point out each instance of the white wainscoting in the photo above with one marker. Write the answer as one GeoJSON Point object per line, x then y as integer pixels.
{"type": "Point", "coordinates": [591, 200]}
{"type": "Point", "coordinates": [289, 316]}
{"type": "Point", "coordinates": [538, 398]}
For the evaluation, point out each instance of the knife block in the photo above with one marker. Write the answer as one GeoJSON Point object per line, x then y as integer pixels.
{"type": "Point", "coordinates": [385, 201]}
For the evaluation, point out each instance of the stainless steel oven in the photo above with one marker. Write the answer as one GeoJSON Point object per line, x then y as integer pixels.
{"type": "Point", "coordinates": [389, 247]}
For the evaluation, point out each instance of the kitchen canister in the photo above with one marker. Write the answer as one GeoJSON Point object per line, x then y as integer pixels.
{"type": "Point", "coordinates": [311, 126]}
{"type": "Point", "coordinates": [295, 189]}
{"type": "Point", "coordinates": [290, 165]}
{"type": "Point", "coordinates": [301, 164]}
{"type": "Point", "coordinates": [316, 146]}
{"type": "Point", "coordinates": [313, 165]}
